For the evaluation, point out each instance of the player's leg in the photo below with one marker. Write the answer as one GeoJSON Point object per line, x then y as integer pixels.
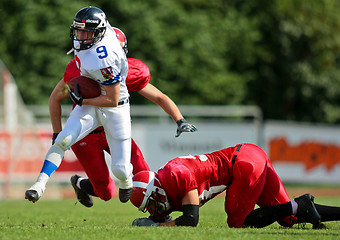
{"type": "Point", "coordinates": [117, 125]}
{"type": "Point", "coordinates": [248, 178]}
{"type": "Point", "coordinates": [275, 205]}
{"type": "Point", "coordinates": [122, 169]}
{"type": "Point", "coordinates": [274, 193]}
{"type": "Point", "coordinates": [90, 154]}
{"type": "Point", "coordinates": [74, 130]}
{"type": "Point", "coordinates": [137, 159]}
{"type": "Point", "coordinates": [327, 213]}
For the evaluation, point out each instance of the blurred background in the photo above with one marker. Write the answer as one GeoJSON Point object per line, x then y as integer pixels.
{"type": "Point", "coordinates": [265, 71]}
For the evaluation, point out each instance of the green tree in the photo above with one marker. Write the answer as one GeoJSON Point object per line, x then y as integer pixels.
{"type": "Point", "coordinates": [299, 78]}
{"type": "Point", "coordinates": [280, 55]}
{"type": "Point", "coordinates": [34, 43]}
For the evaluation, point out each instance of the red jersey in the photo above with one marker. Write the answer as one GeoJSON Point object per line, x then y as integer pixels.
{"type": "Point", "coordinates": [138, 75]}
{"type": "Point", "coordinates": [209, 173]}
{"type": "Point", "coordinates": [72, 70]}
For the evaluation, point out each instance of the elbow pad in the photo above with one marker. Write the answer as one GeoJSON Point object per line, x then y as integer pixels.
{"type": "Point", "coordinates": [190, 216]}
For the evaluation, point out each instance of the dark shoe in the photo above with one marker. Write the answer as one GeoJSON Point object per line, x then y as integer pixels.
{"type": "Point", "coordinates": [82, 196]}
{"type": "Point", "coordinates": [306, 211]}
{"type": "Point", "coordinates": [125, 194]}
{"type": "Point", "coordinates": [31, 195]}
{"type": "Point", "coordinates": [319, 226]}
{"type": "Point", "coordinates": [35, 192]}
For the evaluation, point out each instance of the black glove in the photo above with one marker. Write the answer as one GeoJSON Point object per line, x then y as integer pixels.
{"type": "Point", "coordinates": [144, 222]}
{"type": "Point", "coordinates": [55, 135]}
{"type": "Point", "coordinates": [166, 218]}
{"type": "Point", "coordinates": [184, 126]}
{"type": "Point", "coordinates": [75, 95]}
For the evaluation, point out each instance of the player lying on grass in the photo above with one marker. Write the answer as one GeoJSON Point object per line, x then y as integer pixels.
{"type": "Point", "coordinates": [90, 150]}
{"type": "Point", "coordinates": [243, 171]}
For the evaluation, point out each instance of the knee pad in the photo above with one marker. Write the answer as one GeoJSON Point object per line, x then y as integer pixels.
{"type": "Point", "coordinates": [122, 172]}
{"type": "Point", "coordinates": [63, 142]}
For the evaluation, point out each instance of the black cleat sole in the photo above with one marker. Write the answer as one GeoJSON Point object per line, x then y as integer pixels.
{"type": "Point", "coordinates": [31, 195]}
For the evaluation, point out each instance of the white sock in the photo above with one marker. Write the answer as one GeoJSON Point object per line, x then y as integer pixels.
{"type": "Point", "coordinates": [78, 182]}
{"type": "Point", "coordinates": [294, 207]}
{"type": "Point", "coordinates": [43, 178]}
{"type": "Point", "coordinates": [126, 184]}
{"type": "Point", "coordinates": [40, 184]}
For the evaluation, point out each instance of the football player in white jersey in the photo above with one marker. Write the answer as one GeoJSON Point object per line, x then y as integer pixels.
{"type": "Point", "coordinates": [102, 59]}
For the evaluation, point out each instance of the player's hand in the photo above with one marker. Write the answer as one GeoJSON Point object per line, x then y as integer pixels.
{"type": "Point", "coordinates": [55, 135]}
{"type": "Point", "coordinates": [144, 222]}
{"type": "Point", "coordinates": [162, 219]}
{"type": "Point", "coordinates": [75, 95]}
{"type": "Point", "coordinates": [184, 126]}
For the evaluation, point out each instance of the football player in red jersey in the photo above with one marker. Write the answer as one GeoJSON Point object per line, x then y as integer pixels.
{"type": "Point", "coordinates": [243, 171]}
{"type": "Point", "coordinates": [90, 150]}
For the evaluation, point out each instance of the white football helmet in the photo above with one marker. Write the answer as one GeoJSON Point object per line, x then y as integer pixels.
{"type": "Point", "coordinates": [147, 194]}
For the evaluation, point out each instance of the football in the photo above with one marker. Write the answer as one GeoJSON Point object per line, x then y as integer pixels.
{"type": "Point", "coordinates": [88, 87]}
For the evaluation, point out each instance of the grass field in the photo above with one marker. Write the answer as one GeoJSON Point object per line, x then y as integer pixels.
{"type": "Point", "coordinates": [63, 219]}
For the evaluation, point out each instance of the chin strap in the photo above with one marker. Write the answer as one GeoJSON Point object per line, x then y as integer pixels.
{"type": "Point", "coordinates": [70, 51]}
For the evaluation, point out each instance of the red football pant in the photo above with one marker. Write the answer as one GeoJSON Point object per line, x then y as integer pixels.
{"type": "Point", "coordinates": [90, 153]}
{"type": "Point", "coordinates": [254, 181]}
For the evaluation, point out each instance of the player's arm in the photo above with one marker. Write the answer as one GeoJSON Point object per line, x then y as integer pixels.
{"type": "Point", "coordinates": [58, 95]}
{"type": "Point", "coordinates": [155, 95]}
{"type": "Point", "coordinates": [109, 100]}
{"type": "Point", "coordinates": [190, 206]}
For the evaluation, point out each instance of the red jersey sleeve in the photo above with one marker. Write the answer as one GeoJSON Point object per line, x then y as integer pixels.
{"type": "Point", "coordinates": [138, 75]}
{"type": "Point", "coordinates": [71, 71]}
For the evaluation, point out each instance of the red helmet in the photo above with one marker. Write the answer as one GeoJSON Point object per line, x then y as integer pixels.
{"type": "Point", "coordinates": [122, 38]}
{"type": "Point", "coordinates": [147, 194]}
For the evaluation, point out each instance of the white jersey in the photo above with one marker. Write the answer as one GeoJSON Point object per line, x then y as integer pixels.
{"type": "Point", "coordinates": [105, 62]}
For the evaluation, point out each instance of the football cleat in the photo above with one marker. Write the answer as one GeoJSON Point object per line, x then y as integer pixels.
{"type": "Point", "coordinates": [35, 192]}
{"type": "Point", "coordinates": [319, 226]}
{"type": "Point", "coordinates": [306, 211]}
{"type": "Point", "coordinates": [82, 196]}
{"type": "Point", "coordinates": [31, 195]}
{"type": "Point", "coordinates": [125, 194]}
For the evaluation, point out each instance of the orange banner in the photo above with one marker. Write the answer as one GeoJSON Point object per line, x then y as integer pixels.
{"type": "Point", "coordinates": [310, 153]}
